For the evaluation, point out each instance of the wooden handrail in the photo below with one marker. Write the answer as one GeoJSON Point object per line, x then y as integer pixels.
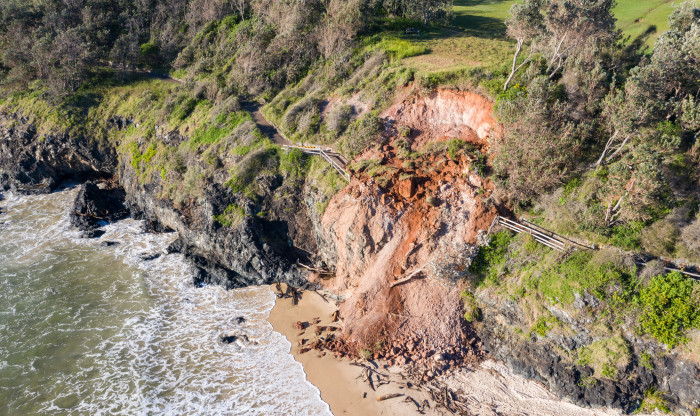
{"type": "Point", "coordinates": [560, 243]}
{"type": "Point", "coordinates": [327, 156]}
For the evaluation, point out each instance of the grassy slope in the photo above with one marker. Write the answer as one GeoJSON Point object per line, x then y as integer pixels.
{"type": "Point", "coordinates": [487, 16]}
{"type": "Point", "coordinates": [635, 16]}
{"type": "Point", "coordinates": [478, 38]}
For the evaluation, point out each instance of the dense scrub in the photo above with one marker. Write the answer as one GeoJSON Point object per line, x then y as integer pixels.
{"type": "Point", "coordinates": [598, 308]}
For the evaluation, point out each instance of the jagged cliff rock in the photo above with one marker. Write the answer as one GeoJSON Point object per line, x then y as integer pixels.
{"type": "Point", "coordinates": [257, 251]}
{"type": "Point", "coordinates": [542, 359]}
{"type": "Point", "coordinates": [254, 252]}
{"type": "Point", "coordinates": [97, 204]}
{"type": "Point", "coordinates": [30, 163]}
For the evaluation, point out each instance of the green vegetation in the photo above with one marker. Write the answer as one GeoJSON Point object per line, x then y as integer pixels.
{"type": "Point", "coordinates": [544, 324]}
{"type": "Point", "coordinates": [670, 306]}
{"type": "Point", "coordinates": [653, 400]}
{"type": "Point", "coordinates": [604, 287]}
{"type": "Point", "coordinates": [471, 308]}
{"type": "Point", "coordinates": [223, 125]}
{"type": "Point", "coordinates": [232, 216]}
{"type": "Point", "coordinates": [396, 47]}
{"type": "Point", "coordinates": [489, 261]}
{"type": "Point", "coordinates": [646, 361]}
{"type": "Point", "coordinates": [486, 18]}
{"type": "Point", "coordinates": [606, 356]}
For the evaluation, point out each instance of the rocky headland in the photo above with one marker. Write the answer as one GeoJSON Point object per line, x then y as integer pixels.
{"type": "Point", "coordinates": [393, 246]}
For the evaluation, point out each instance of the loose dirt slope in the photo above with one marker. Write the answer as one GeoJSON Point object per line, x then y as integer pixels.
{"type": "Point", "coordinates": [411, 211]}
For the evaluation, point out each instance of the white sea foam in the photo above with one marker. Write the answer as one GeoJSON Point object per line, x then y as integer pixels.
{"type": "Point", "coordinates": [121, 335]}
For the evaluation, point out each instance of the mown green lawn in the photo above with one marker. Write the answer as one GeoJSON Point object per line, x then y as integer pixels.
{"type": "Point", "coordinates": [477, 36]}
{"type": "Point", "coordinates": [636, 16]}
{"type": "Point", "coordinates": [485, 17]}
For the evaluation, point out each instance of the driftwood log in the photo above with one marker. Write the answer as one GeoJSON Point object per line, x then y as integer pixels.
{"type": "Point", "coordinates": [388, 396]}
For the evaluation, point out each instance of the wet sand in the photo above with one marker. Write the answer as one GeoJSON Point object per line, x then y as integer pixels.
{"type": "Point", "coordinates": [490, 388]}
{"type": "Point", "coordinates": [341, 384]}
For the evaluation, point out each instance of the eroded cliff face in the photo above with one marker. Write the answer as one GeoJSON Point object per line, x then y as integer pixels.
{"type": "Point", "coordinates": [256, 251]}
{"type": "Point", "coordinates": [409, 214]}
{"type": "Point", "coordinates": [33, 163]}
{"type": "Point", "coordinates": [446, 113]}
{"type": "Point", "coordinates": [413, 212]}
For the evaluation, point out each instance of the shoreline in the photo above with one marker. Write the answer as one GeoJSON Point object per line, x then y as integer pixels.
{"type": "Point", "coordinates": [342, 385]}
{"type": "Point", "coordinates": [489, 388]}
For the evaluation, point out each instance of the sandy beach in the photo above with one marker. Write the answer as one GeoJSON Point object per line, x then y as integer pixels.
{"type": "Point", "coordinates": [342, 385]}
{"type": "Point", "coordinates": [490, 388]}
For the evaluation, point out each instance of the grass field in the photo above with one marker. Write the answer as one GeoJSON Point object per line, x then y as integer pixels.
{"type": "Point", "coordinates": [477, 37]}
{"type": "Point", "coordinates": [636, 16]}
{"type": "Point", "coordinates": [633, 16]}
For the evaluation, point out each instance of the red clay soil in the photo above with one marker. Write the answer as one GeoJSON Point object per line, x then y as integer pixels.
{"type": "Point", "coordinates": [409, 217]}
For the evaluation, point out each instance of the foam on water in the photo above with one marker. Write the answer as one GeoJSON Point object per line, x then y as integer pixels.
{"type": "Point", "coordinates": [95, 329]}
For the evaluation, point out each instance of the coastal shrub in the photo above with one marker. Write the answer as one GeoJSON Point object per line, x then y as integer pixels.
{"type": "Point", "coordinates": [293, 162]}
{"type": "Point", "coordinates": [690, 237]}
{"type": "Point", "coordinates": [660, 238]}
{"type": "Point", "coordinates": [485, 264]}
{"type": "Point", "coordinates": [302, 117]}
{"type": "Point", "coordinates": [471, 308]}
{"type": "Point", "coordinates": [606, 356]}
{"type": "Point", "coordinates": [670, 306]}
{"type": "Point", "coordinates": [231, 217]}
{"type": "Point", "coordinates": [653, 400]}
{"type": "Point", "coordinates": [361, 133]}
{"type": "Point", "coordinates": [222, 126]}
{"type": "Point", "coordinates": [338, 120]}
{"type": "Point", "coordinates": [544, 324]}
{"type": "Point", "coordinates": [182, 110]}
{"type": "Point", "coordinates": [243, 176]}
{"type": "Point", "coordinates": [581, 271]}
{"type": "Point", "coordinates": [627, 236]}
{"type": "Point", "coordinates": [454, 146]}
{"type": "Point", "coordinates": [137, 157]}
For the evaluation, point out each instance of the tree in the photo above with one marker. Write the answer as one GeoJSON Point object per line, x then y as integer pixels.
{"type": "Point", "coordinates": [560, 30]}
{"type": "Point", "coordinates": [672, 74]}
{"type": "Point", "coordinates": [634, 185]}
{"type": "Point", "coordinates": [525, 24]}
{"type": "Point", "coordinates": [125, 51]}
{"type": "Point", "coordinates": [621, 120]}
{"type": "Point", "coordinates": [540, 145]}
{"type": "Point", "coordinates": [68, 58]}
{"type": "Point", "coordinates": [241, 7]}
{"type": "Point", "coordinates": [342, 22]}
{"type": "Point", "coordinates": [427, 11]}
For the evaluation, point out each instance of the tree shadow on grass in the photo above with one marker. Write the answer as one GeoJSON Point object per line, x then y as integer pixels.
{"type": "Point", "coordinates": [481, 27]}
{"type": "Point", "coordinates": [473, 24]}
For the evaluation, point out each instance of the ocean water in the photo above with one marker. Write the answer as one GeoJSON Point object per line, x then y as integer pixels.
{"type": "Point", "coordinates": [88, 328]}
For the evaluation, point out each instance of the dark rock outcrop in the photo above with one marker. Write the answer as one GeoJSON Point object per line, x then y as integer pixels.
{"type": "Point", "coordinates": [541, 359]}
{"type": "Point", "coordinates": [257, 251]}
{"type": "Point", "coordinates": [254, 252]}
{"type": "Point", "coordinates": [30, 163]}
{"type": "Point", "coordinates": [96, 205]}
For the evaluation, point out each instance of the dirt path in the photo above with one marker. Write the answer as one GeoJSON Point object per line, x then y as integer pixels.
{"type": "Point", "coordinates": [278, 138]}
{"type": "Point", "coordinates": [264, 125]}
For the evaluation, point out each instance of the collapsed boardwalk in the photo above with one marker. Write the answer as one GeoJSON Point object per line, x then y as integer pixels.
{"type": "Point", "coordinates": [336, 160]}
{"type": "Point", "coordinates": [268, 128]}
{"type": "Point", "coordinates": [561, 243]}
